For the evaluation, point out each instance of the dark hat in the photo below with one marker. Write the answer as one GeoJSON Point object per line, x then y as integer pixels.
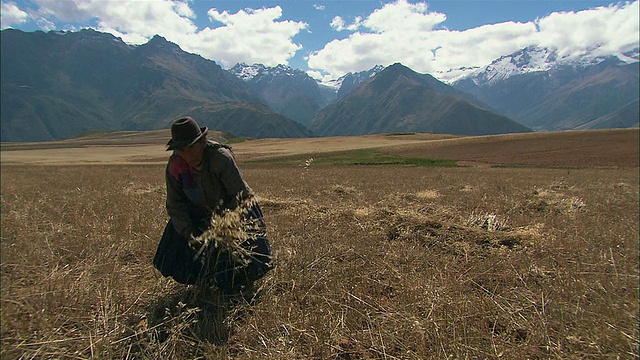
{"type": "Point", "coordinates": [184, 132]}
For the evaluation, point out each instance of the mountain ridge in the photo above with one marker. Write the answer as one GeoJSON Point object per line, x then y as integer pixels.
{"type": "Point", "coordinates": [537, 88]}
{"type": "Point", "coordinates": [289, 92]}
{"type": "Point", "coordinates": [400, 100]}
{"type": "Point", "coordinates": [59, 85]}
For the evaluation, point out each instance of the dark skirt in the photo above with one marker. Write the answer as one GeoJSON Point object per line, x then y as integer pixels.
{"type": "Point", "coordinates": [176, 258]}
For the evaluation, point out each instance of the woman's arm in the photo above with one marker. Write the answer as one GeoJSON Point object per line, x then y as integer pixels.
{"type": "Point", "coordinates": [178, 204]}
{"type": "Point", "coordinates": [231, 177]}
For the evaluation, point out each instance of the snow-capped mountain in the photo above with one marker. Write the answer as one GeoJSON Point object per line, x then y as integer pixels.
{"type": "Point", "coordinates": [333, 84]}
{"type": "Point", "coordinates": [536, 59]}
{"type": "Point", "coordinates": [289, 92]}
{"type": "Point", "coordinates": [341, 86]}
{"type": "Point", "coordinates": [293, 93]}
{"type": "Point", "coordinates": [537, 87]}
{"type": "Point", "coordinates": [248, 73]}
{"type": "Point", "coordinates": [545, 91]}
{"type": "Point", "coordinates": [399, 99]}
{"type": "Point", "coordinates": [530, 59]}
{"type": "Point", "coordinates": [351, 81]}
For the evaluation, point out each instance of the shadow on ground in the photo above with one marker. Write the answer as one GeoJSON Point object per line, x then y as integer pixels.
{"type": "Point", "coordinates": [184, 324]}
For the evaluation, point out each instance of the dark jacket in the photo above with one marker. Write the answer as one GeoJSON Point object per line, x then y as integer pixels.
{"type": "Point", "coordinates": [193, 196]}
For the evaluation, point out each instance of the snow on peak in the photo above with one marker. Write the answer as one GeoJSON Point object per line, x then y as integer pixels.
{"type": "Point", "coordinates": [248, 72]}
{"type": "Point", "coordinates": [357, 77]}
{"type": "Point", "coordinates": [529, 59]}
{"type": "Point", "coordinates": [361, 76]}
{"type": "Point", "coordinates": [533, 59]}
{"type": "Point", "coordinates": [333, 83]}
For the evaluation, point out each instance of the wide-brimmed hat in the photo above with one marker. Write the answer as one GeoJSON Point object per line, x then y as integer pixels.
{"type": "Point", "coordinates": [184, 132]}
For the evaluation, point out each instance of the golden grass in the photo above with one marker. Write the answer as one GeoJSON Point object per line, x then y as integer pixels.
{"type": "Point", "coordinates": [227, 232]}
{"type": "Point", "coordinates": [370, 262]}
{"type": "Point", "coordinates": [149, 147]}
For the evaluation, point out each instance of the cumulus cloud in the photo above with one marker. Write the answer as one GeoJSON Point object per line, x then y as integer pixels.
{"type": "Point", "coordinates": [45, 24]}
{"type": "Point", "coordinates": [338, 24]}
{"type": "Point", "coordinates": [414, 35]}
{"type": "Point", "coordinates": [402, 16]}
{"type": "Point", "coordinates": [254, 36]}
{"type": "Point", "coordinates": [608, 30]}
{"type": "Point", "coordinates": [135, 21]}
{"type": "Point", "coordinates": [399, 31]}
{"type": "Point", "coordinates": [11, 15]}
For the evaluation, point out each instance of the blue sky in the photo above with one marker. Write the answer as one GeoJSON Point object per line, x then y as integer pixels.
{"type": "Point", "coordinates": [330, 38]}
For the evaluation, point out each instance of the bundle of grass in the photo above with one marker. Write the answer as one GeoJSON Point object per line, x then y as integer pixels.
{"type": "Point", "coordinates": [232, 239]}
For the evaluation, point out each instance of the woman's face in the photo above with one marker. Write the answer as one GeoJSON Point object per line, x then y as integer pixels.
{"type": "Point", "coordinates": [193, 153]}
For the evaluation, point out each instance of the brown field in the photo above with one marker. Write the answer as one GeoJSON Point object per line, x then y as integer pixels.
{"type": "Point", "coordinates": [123, 148]}
{"type": "Point", "coordinates": [529, 250]}
{"type": "Point", "coordinates": [610, 148]}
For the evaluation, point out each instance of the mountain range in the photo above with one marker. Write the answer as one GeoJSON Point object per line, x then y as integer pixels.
{"type": "Point", "coordinates": [541, 90]}
{"type": "Point", "coordinates": [295, 94]}
{"type": "Point", "coordinates": [400, 100]}
{"type": "Point", "coordinates": [58, 85]}
{"type": "Point", "coordinates": [289, 92]}
{"type": "Point", "coordinates": [537, 88]}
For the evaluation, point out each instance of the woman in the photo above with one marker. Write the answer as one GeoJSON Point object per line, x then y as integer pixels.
{"type": "Point", "coordinates": [203, 181]}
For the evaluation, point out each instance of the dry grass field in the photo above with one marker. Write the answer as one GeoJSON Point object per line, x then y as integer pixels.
{"type": "Point", "coordinates": [528, 249]}
{"type": "Point", "coordinates": [149, 147]}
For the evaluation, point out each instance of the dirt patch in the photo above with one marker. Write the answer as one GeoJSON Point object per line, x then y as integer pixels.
{"type": "Point", "coordinates": [602, 148]}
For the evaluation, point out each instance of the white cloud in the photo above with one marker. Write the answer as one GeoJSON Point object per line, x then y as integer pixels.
{"type": "Point", "coordinates": [402, 16]}
{"type": "Point", "coordinates": [478, 46]}
{"type": "Point", "coordinates": [339, 25]}
{"type": "Point", "coordinates": [11, 15]}
{"type": "Point", "coordinates": [66, 10]}
{"type": "Point", "coordinates": [315, 74]}
{"type": "Point", "coordinates": [414, 35]}
{"type": "Point", "coordinates": [253, 36]}
{"type": "Point", "coordinates": [399, 31]}
{"type": "Point", "coordinates": [134, 21]}
{"type": "Point", "coordinates": [610, 29]}
{"type": "Point", "coordinates": [45, 24]}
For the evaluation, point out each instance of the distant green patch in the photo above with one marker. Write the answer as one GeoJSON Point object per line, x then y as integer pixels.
{"type": "Point", "coordinates": [92, 133]}
{"type": "Point", "coordinates": [232, 139]}
{"type": "Point", "coordinates": [358, 157]}
{"type": "Point", "coordinates": [400, 134]}
{"type": "Point", "coordinates": [374, 157]}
